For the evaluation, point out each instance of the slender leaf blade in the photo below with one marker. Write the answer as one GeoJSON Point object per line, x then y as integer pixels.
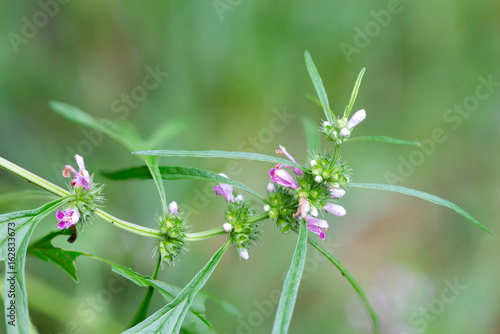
{"type": "Point", "coordinates": [359, 290]}
{"type": "Point", "coordinates": [16, 229]}
{"type": "Point", "coordinates": [384, 139]}
{"type": "Point", "coordinates": [220, 154]}
{"type": "Point", "coordinates": [169, 318]}
{"type": "Point", "coordinates": [313, 136]}
{"type": "Point", "coordinates": [425, 196]}
{"type": "Point", "coordinates": [354, 93]}
{"type": "Point", "coordinates": [319, 87]}
{"type": "Point", "coordinates": [291, 284]}
{"type": "Point", "coordinates": [178, 173]}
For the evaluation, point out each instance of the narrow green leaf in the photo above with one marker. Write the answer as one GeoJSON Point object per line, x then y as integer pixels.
{"type": "Point", "coordinates": [178, 173]}
{"type": "Point", "coordinates": [383, 139]}
{"type": "Point", "coordinates": [220, 154]}
{"type": "Point", "coordinates": [313, 136]}
{"type": "Point", "coordinates": [64, 259]}
{"type": "Point", "coordinates": [169, 318]}
{"type": "Point", "coordinates": [318, 86]}
{"type": "Point", "coordinates": [195, 321]}
{"type": "Point", "coordinates": [354, 93]}
{"type": "Point", "coordinates": [25, 195]}
{"type": "Point", "coordinates": [355, 285]}
{"type": "Point", "coordinates": [142, 312]}
{"type": "Point", "coordinates": [422, 195]}
{"type": "Point", "coordinates": [291, 284]}
{"type": "Point", "coordinates": [16, 229]}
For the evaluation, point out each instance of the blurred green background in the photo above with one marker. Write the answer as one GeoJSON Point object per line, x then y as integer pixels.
{"type": "Point", "coordinates": [232, 67]}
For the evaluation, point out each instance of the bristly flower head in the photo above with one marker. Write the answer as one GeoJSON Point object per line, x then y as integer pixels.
{"type": "Point", "coordinates": [85, 199]}
{"type": "Point", "coordinates": [341, 130]}
{"type": "Point", "coordinates": [173, 230]}
{"type": "Point", "coordinates": [239, 225]}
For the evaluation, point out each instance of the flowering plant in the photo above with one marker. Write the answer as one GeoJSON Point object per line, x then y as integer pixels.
{"type": "Point", "coordinates": [298, 199]}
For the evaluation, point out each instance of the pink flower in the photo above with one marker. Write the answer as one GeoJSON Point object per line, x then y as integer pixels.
{"type": "Point", "coordinates": [67, 218]}
{"type": "Point", "coordinates": [173, 208]}
{"type": "Point", "coordinates": [337, 192]}
{"type": "Point", "coordinates": [281, 177]}
{"type": "Point", "coordinates": [82, 178]}
{"type": "Point", "coordinates": [317, 226]}
{"type": "Point", "coordinates": [270, 187]}
{"type": "Point", "coordinates": [225, 190]}
{"type": "Point", "coordinates": [304, 208]}
{"type": "Point", "coordinates": [244, 254]}
{"type": "Point", "coordinates": [336, 209]}
{"type": "Point", "coordinates": [282, 151]}
{"type": "Point", "coordinates": [357, 118]}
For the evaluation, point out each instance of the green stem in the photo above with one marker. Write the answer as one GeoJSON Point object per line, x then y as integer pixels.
{"type": "Point", "coordinates": [127, 226]}
{"type": "Point", "coordinates": [42, 183]}
{"type": "Point", "coordinates": [197, 236]}
{"type": "Point", "coordinates": [30, 177]}
{"type": "Point", "coordinates": [258, 218]}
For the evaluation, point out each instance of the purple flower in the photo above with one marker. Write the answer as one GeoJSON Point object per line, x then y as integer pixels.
{"type": "Point", "coordinates": [281, 177]}
{"type": "Point", "coordinates": [337, 192]}
{"type": "Point", "coordinates": [67, 218]}
{"type": "Point", "coordinates": [282, 151]}
{"type": "Point", "coordinates": [318, 226]}
{"type": "Point", "coordinates": [173, 208]}
{"type": "Point", "coordinates": [357, 118]}
{"type": "Point", "coordinates": [225, 190]}
{"type": "Point", "coordinates": [82, 177]}
{"type": "Point", "coordinates": [336, 209]}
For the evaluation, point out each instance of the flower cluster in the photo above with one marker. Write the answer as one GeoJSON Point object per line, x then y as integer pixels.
{"type": "Point", "coordinates": [240, 225]}
{"type": "Point", "coordinates": [85, 199]}
{"type": "Point", "coordinates": [173, 230]}
{"type": "Point", "coordinates": [341, 130]}
{"type": "Point", "coordinates": [309, 194]}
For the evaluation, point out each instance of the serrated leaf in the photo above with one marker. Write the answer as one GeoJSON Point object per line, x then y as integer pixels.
{"type": "Point", "coordinates": [420, 194]}
{"type": "Point", "coordinates": [16, 229]}
{"type": "Point", "coordinates": [354, 93]}
{"type": "Point", "coordinates": [319, 87]}
{"type": "Point", "coordinates": [359, 290]}
{"type": "Point", "coordinates": [169, 318]}
{"type": "Point", "coordinates": [178, 173]}
{"type": "Point", "coordinates": [220, 154]}
{"type": "Point", "coordinates": [384, 139]}
{"type": "Point", "coordinates": [291, 284]}
{"type": "Point", "coordinates": [64, 259]}
{"type": "Point", "coordinates": [313, 136]}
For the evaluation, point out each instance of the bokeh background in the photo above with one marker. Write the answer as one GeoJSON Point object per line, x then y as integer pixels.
{"type": "Point", "coordinates": [233, 66]}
